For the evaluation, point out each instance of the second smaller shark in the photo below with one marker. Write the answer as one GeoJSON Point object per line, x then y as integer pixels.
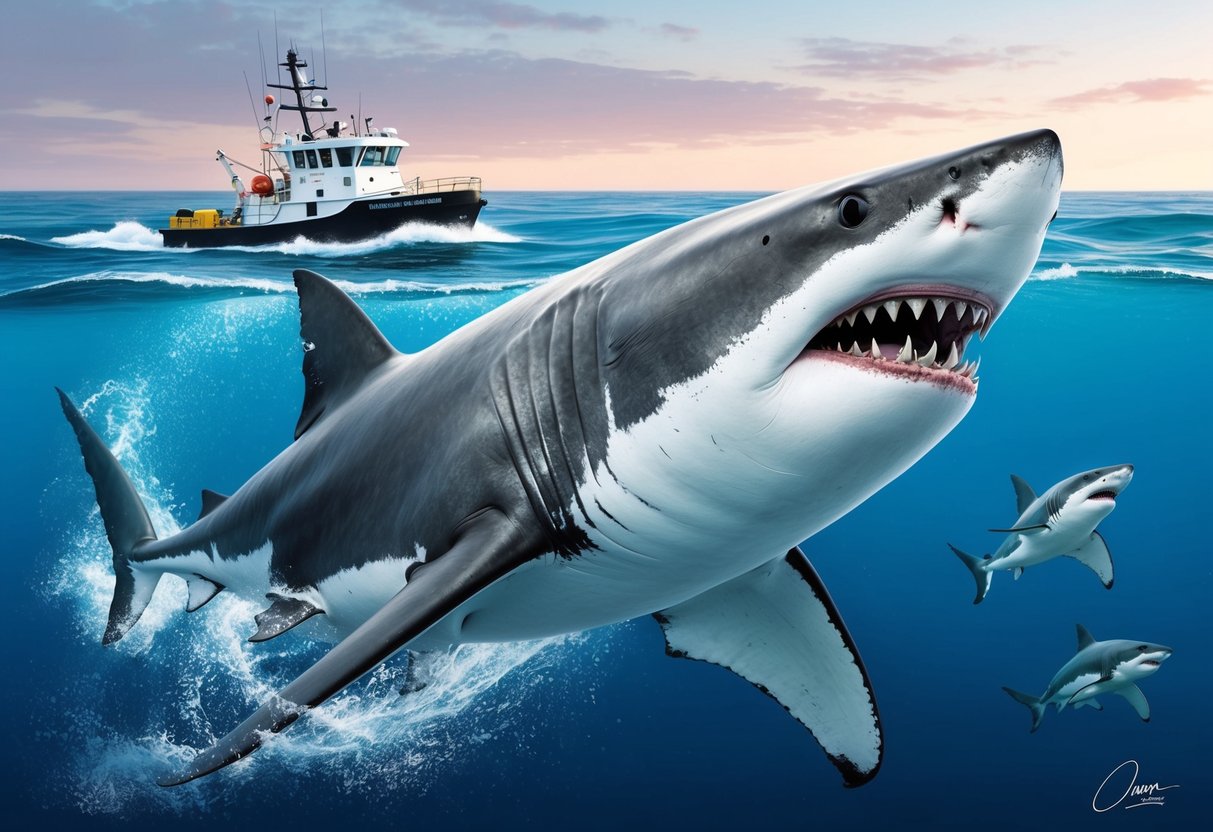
{"type": "Point", "coordinates": [1098, 667]}
{"type": "Point", "coordinates": [1059, 522]}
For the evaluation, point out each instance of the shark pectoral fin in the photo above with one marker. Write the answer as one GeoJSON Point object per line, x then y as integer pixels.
{"type": "Point", "coordinates": [282, 615]}
{"type": "Point", "coordinates": [1138, 700]}
{"type": "Point", "coordinates": [1095, 556]}
{"type": "Point", "coordinates": [341, 346]}
{"type": "Point", "coordinates": [1081, 690]}
{"type": "Point", "coordinates": [487, 546]}
{"type": "Point", "coordinates": [1039, 527]}
{"type": "Point", "coordinates": [1024, 495]}
{"type": "Point", "coordinates": [201, 590]}
{"type": "Point", "coordinates": [776, 627]}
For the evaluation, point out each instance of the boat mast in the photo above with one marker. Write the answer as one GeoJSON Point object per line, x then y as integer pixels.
{"type": "Point", "coordinates": [300, 85]}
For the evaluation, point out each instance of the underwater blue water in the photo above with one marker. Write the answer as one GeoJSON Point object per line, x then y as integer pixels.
{"type": "Point", "coordinates": [188, 363]}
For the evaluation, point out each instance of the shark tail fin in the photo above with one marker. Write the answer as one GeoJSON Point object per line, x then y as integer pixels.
{"type": "Point", "coordinates": [127, 525]}
{"type": "Point", "coordinates": [1036, 706]}
{"type": "Point", "coordinates": [983, 577]}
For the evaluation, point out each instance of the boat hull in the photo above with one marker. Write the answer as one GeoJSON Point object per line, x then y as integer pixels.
{"type": "Point", "coordinates": [360, 220]}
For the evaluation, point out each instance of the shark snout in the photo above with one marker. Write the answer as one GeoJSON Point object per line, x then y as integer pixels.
{"type": "Point", "coordinates": [1111, 482]}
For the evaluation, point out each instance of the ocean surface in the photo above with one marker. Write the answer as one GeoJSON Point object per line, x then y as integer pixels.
{"type": "Point", "coordinates": [188, 363]}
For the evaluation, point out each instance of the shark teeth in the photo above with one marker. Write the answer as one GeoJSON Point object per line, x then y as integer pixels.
{"type": "Point", "coordinates": [931, 332]}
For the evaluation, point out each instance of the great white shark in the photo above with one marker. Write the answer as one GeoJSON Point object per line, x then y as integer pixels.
{"type": "Point", "coordinates": [654, 433]}
{"type": "Point", "coordinates": [1098, 667]}
{"type": "Point", "coordinates": [1059, 522]}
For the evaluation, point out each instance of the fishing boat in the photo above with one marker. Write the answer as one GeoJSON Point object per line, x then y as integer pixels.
{"type": "Point", "coordinates": [327, 182]}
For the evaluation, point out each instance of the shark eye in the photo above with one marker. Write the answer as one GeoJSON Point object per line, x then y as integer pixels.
{"type": "Point", "coordinates": [1142, 648]}
{"type": "Point", "coordinates": [852, 211]}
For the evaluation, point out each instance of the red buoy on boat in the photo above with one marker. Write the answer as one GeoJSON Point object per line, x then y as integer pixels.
{"type": "Point", "coordinates": [269, 99]}
{"type": "Point", "coordinates": [261, 185]}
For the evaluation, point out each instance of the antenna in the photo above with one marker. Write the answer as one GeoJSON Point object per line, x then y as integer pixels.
{"type": "Point", "coordinates": [277, 51]}
{"type": "Point", "coordinates": [359, 121]}
{"type": "Point", "coordinates": [324, 52]}
{"type": "Point", "coordinates": [252, 106]}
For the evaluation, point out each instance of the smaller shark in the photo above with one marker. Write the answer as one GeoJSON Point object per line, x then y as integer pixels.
{"type": "Point", "coordinates": [1098, 667]}
{"type": "Point", "coordinates": [1061, 521]}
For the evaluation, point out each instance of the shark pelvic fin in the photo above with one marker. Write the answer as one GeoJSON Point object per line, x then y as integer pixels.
{"type": "Point", "coordinates": [211, 500]}
{"type": "Point", "coordinates": [1017, 572]}
{"type": "Point", "coordinates": [1095, 556]}
{"type": "Point", "coordinates": [777, 628]}
{"type": "Point", "coordinates": [1085, 639]}
{"type": "Point", "coordinates": [1033, 704]}
{"type": "Point", "coordinates": [982, 576]}
{"type": "Point", "coordinates": [415, 678]}
{"type": "Point", "coordinates": [282, 615]}
{"type": "Point", "coordinates": [341, 346]}
{"type": "Point", "coordinates": [1024, 495]}
{"type": "Point", "coordinates": [1088, 703]}
{"type": "Point", "coordinates": [127, 525]}
{"type": "Point", "coordinates": [1138, 700]}
{"type": "Point", "coordinates": [201, 590]}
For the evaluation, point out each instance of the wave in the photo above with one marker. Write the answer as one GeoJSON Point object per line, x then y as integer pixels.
{"type": "Point", "coordinates": [367, 739]}
{"type": "Point", "coordinates": [1067, 271]}
{"type": "Point", "coordinates": [112, 287]}
{"type": "Point", "coordinates": [124, 236]}
{"type": "Point", "coordinates": [407, 234]}
{"type": "Point", "coordinates": [133, 236]}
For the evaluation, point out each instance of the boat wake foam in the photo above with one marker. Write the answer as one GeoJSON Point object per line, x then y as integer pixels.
{"type": "Point", "coordinates": [407, 234]}
{"type": "Point", "coordinates": [196, 677]}
{"type": "Point", "coordinates": [133, 236]}
{"type": "Point", "coordinates": [124, 236]}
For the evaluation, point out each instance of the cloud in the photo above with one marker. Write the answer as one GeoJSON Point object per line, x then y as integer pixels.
{"type": "Point", "coordinates": [477, 13]}
{"type": "Point", "coordinates": [842, 57]}
{"type": "Point", "coordinates": [1150, 90]}
{"type": "Point", "coordinates": [556, 107]}
{"type": "Point", "coordinates": [673, 30]}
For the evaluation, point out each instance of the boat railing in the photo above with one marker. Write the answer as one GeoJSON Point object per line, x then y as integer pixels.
{"type": "Point", "coordinates": [435, 186]}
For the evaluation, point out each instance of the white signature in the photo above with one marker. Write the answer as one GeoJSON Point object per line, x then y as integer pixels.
{"type": "Point", "coordinates": [1144, 793]}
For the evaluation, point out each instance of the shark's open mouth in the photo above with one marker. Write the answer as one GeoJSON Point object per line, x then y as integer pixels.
{"type": "Point", "coordinates": [1103, 495]}
{"type": "Point", "coordinates": [916, 332]}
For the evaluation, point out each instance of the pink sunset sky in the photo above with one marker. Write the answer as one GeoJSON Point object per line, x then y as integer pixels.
{"type": "Point", "coordinates": [620, 95]}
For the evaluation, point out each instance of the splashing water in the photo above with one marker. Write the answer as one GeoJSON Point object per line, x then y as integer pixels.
{"type": "Point", "coordinates": [124, 236]}
{"type": "Point", "coordinates": [205, 676]}
{"type": "Point", "coordinates": [132, 236]}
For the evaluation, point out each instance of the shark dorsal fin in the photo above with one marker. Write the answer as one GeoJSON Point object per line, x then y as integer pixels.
{"type": "Point", "coordinates": [211, 500]}
{"type": "Point", "coordinates": [341, 346]}
{"type": "Point", "coordinates": [1085, 639]}
{"type": "Point", "coordinates": [1024, 495]}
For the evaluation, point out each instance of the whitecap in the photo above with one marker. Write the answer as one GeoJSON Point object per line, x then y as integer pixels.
{"type": "Point", "coordinates": [124, 236]}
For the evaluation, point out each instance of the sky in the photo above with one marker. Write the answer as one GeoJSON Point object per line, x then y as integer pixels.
{"type": "Point", "coordinates": [619, 95]}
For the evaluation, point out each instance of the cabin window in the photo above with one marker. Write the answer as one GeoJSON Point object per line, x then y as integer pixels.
{"type": "Point", "coordinates": [393, 153]}
{"type": "Point", "coordinates": [311, 159]}
{"type": "Point", "coordinates": [326, 157]}
{"type": "Point", "coordinates": [372, 156]}
{"type": "Point", "coordinates": [300, 162]}
{"type": "Point", "coordinates": [311, 209]}
{"type": "Point", "coordinates": [345, 156]}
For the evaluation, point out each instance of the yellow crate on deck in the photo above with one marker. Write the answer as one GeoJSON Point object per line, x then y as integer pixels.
{"type": "Point", "coordinates": [205, 218]}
